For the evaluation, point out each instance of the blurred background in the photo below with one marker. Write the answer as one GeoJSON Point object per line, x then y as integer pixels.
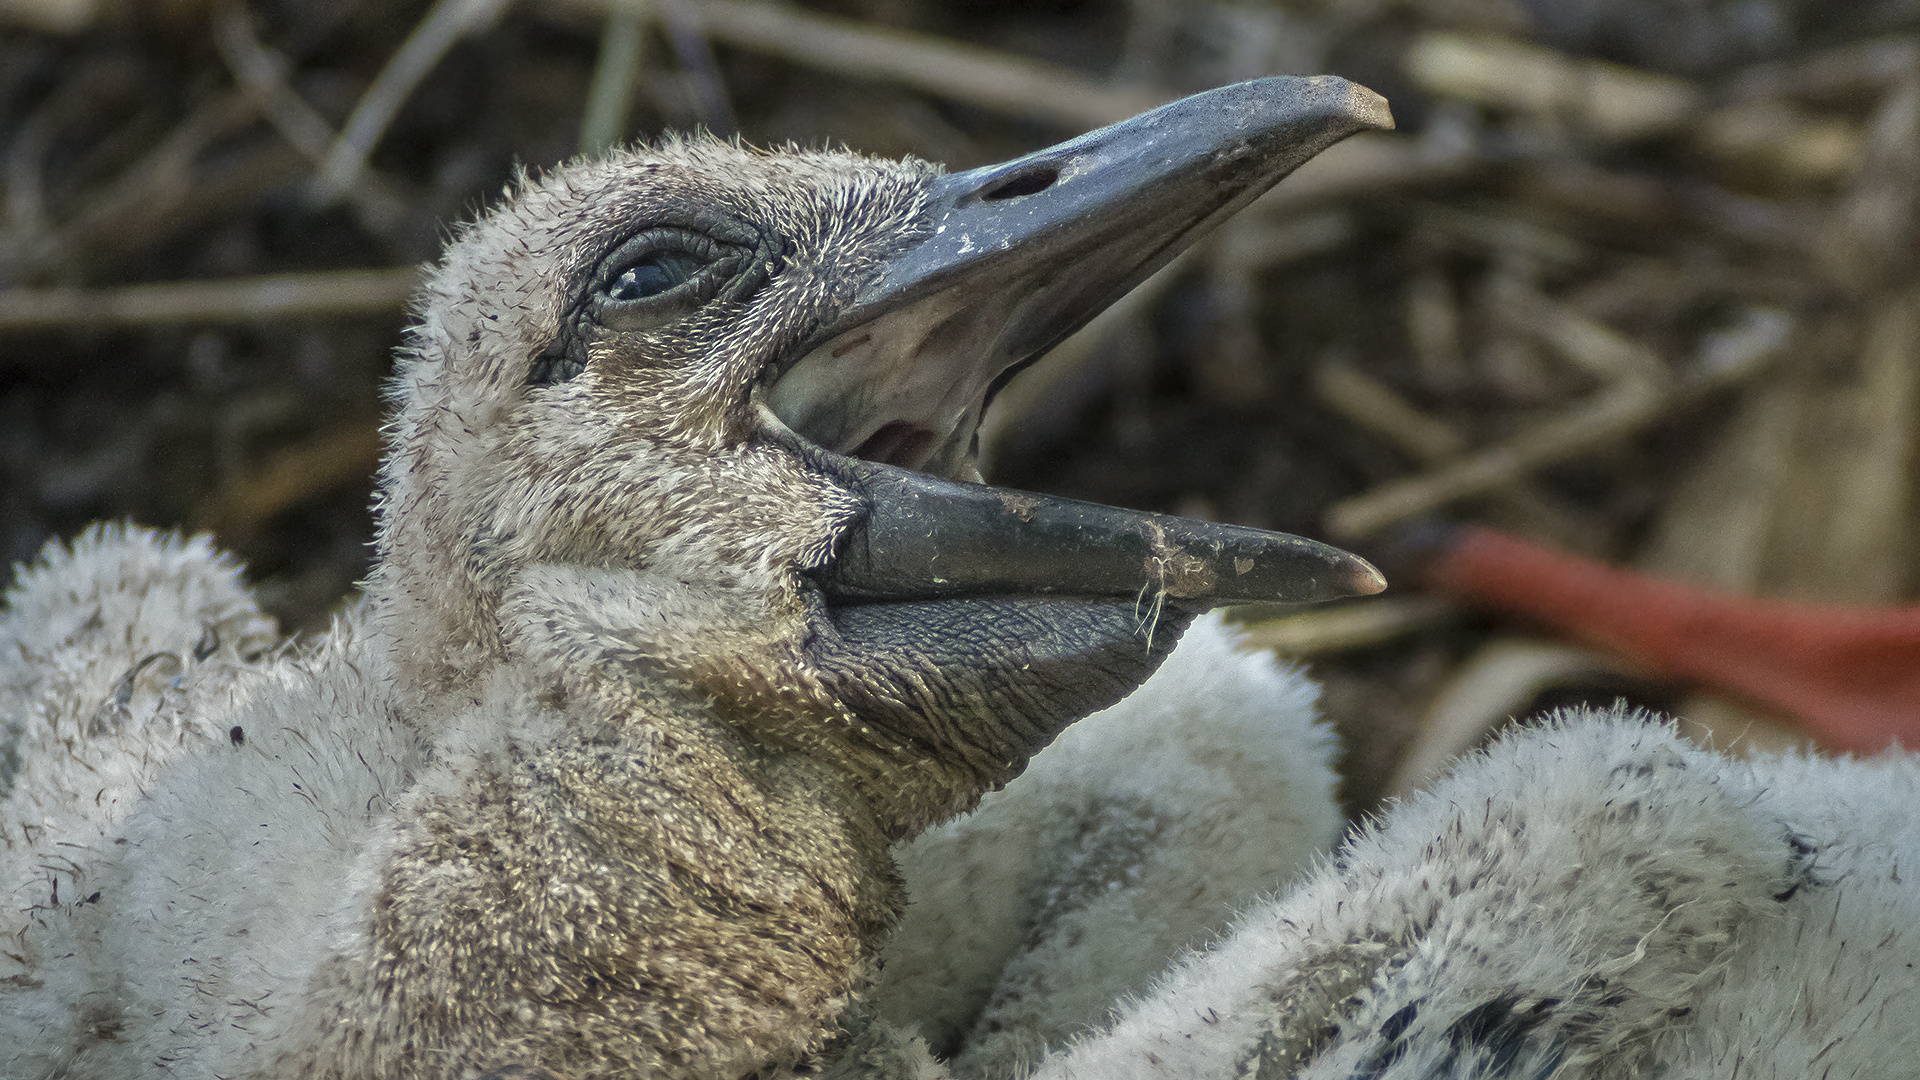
{"type": "Point", "coordinates": [1634, 278]}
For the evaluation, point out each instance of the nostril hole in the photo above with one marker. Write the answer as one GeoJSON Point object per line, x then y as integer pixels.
{"type": "Point", "coordinates": [1027, 181]}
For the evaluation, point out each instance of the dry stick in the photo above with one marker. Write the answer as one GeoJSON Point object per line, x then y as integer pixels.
{"type": "Point", "coordinates": [336, 292]}
{"type": "Point", "coordinates": [614, 71]}
{"type": "Point", "coordinates": [1876, 220]}
{"type": "Point", "coordinates": [447, 23]}
{"type": "Point", "coordinates": [966, 72]}
{"type": "Point", "coordinates": [1661, 206]}
{"type": "Point", "coordinates": [1375, 407]}
{"type": "Point", "coordinates": [1506, 233]}
{"type": "Point", "coordinates": [1611, 414]}
{"type": "Point", "coordinates": [701, 67]}
{"type": "Point", "coordinates": [982, 77]}
{"type": "Point", "coordinates": [1349, 626]}
{"type": "Point", "coordinates": [26, 200]}
{"type": "Point", "coordinates": [1853, 71]}
{"type": "Point", "coordinates": [1608, 416]}
{"type": "Point", "coordinates": [1779, 146]}
{"type": "Point", "coordinates": [1613, 102]}
{"type": "Point", "coordinates": [1017, 86]}
{"type": "Point", "coordinates": [1586, 343]}
{"type": "Point", "coordinates": [1432, 442]}
{"type": "Point", "coordinates": [262, 73]}
{"type": "Point", "coordinates": [150, 192]}
{"type": "Point", "coordinates": [1608, 100]}
{"type": "Point", "coordinates": [333, 458]}
{"type": "Point", "coordinates": [113, 225]}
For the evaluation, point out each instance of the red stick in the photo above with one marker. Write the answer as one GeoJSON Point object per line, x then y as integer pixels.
{"type": "Point", "coordinates": [1850, 676]}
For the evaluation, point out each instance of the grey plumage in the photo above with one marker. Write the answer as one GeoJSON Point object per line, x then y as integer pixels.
{"type": "Point", "coordinates": [602, 777]}
{"type": "Point", "coordinates": [1139, 834]}
{"type": "Point", "coordinates": [1594, 899]}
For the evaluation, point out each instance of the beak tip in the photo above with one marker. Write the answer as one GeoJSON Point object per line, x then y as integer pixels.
{"type": "Point", "coordinates": [1371, 109]}
{"type": "Point", "coordinates": [1350, 101]}
{"type": "Point", "coordinates": [1363, 579]}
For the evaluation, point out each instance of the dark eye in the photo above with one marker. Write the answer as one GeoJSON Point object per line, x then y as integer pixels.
{"type": "Point", "coordinates": [652, 276]}
{"type": "Point", "coordinates": [659, 274]}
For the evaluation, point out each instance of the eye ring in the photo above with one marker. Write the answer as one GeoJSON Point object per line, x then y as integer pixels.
{"type": "Point", "coordinates": [651, 276]}
{"type": "Point", "coordinates": [654, 277]}
{"type": "Point", "coordinates": [658, 275]}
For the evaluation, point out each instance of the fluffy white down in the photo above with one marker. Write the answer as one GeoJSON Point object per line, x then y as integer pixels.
{"type": "Point", "coordinates": [1831, 988]}
{"type": "Point", "coordinates": [109, 649]}
{"type": "Point", "coordinates": [1597, 898]}
{"type": "Point", "coordinates": [1136, 835]}
{"type": "Point", "coordinates": [236, 804]}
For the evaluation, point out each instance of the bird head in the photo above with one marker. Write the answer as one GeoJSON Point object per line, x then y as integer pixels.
{"type": "Point", "coordinates": [704, 416]}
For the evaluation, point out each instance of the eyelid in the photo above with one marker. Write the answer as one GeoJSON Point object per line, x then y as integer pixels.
{"type": "Point", "coordinates": [737, 259]}
{"type": "Point", "coordinates": [657, 240]}
{"type": "Point", "coordinates": [721, 266]}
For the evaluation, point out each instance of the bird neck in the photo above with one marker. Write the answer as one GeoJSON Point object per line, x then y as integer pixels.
{"type": "Point", "coordinates": [439, 622]}
{"type": "Point", "coordinates": [755, 660]}
{"type": "Point", "coordinates": [618, 877]}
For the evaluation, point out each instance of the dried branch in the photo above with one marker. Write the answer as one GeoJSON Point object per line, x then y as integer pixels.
{"type": "Point", "coordinates": [977, 76]}
{"type": "Point", "coordinates": [1348, 626]}
{"type": "Point", "coordinates": [1606, 417]}
{"type": "Point", "coordinates": [604, 123]}
{"type": "Point", "coordinates": [262, 73]}
{"type": "Point", "coordinates": [447, 23]}
{"type": "Point", "coordinates": [1607, 100]}
{"type": "Point", "coordinates": [275, 296]}
{"type": "Point", "coordinates": [294, 476]}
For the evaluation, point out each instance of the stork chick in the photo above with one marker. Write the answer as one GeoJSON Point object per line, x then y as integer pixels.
{"type": "Point", "coordinates": [1593, 899]}
{"type": "Point", "coordinates": [683, 614]}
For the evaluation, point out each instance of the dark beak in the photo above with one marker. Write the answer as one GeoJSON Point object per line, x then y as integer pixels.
{"type": "Point", "coordinates": [928, 538]}
{"type": "Point", "coordinates": [1074, 227]}
{"type": "Point", "coordinates": [1016, 257]}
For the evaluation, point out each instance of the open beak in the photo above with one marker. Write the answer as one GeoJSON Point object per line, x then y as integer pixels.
{"type": "Point", "coordinates": [1016, 257]}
